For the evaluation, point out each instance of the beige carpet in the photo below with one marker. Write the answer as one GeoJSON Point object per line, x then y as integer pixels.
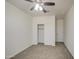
{"type": "Point", "coordinates": [45, 52]}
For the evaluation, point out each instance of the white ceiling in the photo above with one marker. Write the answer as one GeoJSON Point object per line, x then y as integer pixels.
{"type": "Point", "coordinates": [60, 9]}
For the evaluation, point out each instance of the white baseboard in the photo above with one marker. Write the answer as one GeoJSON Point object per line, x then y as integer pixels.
{"type": "Point", "coordinates": [10, 56]}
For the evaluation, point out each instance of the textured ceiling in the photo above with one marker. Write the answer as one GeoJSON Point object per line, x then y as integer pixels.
{"type": "Point", "coordinates": [59, 10]}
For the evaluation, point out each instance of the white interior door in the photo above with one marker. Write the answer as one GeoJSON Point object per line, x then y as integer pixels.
{"type": "Point", "coordinates": [40, 33]}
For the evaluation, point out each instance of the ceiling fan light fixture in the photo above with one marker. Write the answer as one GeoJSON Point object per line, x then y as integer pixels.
{"type": "Point", "coordinates": [38, 7]}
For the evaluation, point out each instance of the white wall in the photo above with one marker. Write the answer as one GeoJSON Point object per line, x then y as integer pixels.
{"type": "Point", "coordinates": [49, 29]}
{"type": "Point", "coordinates": [59, 30]}
{"type": "Point", "coordinates": [69, 30]}
{"type": "Point", "coordinates": [18, 30]}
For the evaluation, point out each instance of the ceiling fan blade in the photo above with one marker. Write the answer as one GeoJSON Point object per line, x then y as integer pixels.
{"type": "Point", "coordinates": [29, 0]}
{"type": "Point", "coordinates": [44, 10]}
{"type": "Point", "coordinates": [49, 3]}
{"type": "Point", "coordinates": [32, 8]}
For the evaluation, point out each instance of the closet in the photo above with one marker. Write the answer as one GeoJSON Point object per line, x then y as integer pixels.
{"type": "Point", "coordinates": [40, 33]}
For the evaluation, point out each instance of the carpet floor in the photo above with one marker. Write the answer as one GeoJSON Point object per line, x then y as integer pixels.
{"type": "Point", "coordinates": [41, 51]}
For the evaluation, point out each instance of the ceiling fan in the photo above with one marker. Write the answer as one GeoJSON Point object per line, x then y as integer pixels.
{"type": "Point", "coordinates": [39, 5]}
